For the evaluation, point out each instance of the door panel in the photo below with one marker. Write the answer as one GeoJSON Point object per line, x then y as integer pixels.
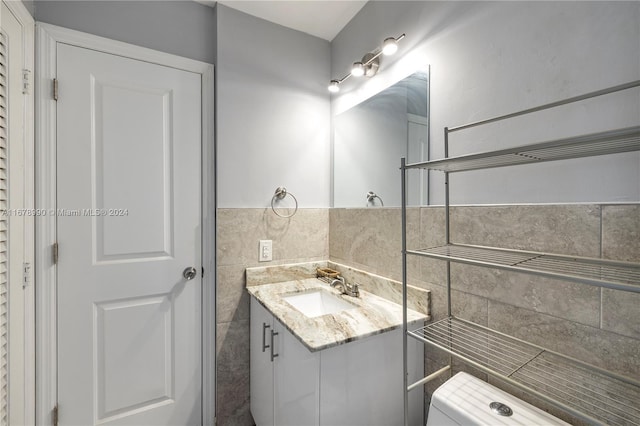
{"type": "Point", "coordinates": [124, 141]}
{"type": "Point", "coordinates": [296, 378]}
{"type": "Point", "coordinates": [146, 324]}
{"type": "Point", "coordinates": [128, 224]}
{"type": "Point", "coordinates": [261, 366]}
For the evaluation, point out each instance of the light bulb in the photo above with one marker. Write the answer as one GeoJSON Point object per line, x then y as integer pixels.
{"type": "Point", "coordinates": [334, 86]}
{"type": "Point", "coordinates": [358, 69]}
{"type": "Point", "coordinates": [389, 46]}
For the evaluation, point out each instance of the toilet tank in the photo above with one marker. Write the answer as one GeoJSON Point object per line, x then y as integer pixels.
{"type": "Point", "coordinates": [466, 400]}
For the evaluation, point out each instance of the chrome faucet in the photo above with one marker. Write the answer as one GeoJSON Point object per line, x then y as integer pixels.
{"type": "Point", "coordinates": [348, 289]}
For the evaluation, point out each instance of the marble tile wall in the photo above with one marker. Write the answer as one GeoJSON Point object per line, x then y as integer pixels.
{"type": "Point", "coordinates": [599, 326]}
{"type": "Point", "coordinates": [418, 299]}
{"type": "Point", "coordinates": [369, 239]}
{"type": "Point", "coordinates": [302, 238]}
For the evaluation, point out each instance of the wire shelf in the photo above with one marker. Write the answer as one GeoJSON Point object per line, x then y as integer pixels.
{"type": "Point", "coordinates": [598, 272]}
{"type": "Point", "coordinates": [586, 391]}
{"type": "Point", "coordinates": [603, 143]}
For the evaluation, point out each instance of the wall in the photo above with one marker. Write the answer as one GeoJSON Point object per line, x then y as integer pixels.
{"type": "Point", "coordinates": [29, 5]}
{"type": "Point", "coordinates": [492, 58]}
{"type": "Point", "coordinates": [272, 113]}
{"type": "Point", "coordinates": [182, 28]}
{"type": "Point", "coordinates": [272, 129]}
{"type": "Point", "coordinates": [303, 238]}
{"type": "Point", "coordinates": [598, 326]}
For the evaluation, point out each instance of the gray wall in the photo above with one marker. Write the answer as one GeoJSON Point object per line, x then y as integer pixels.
{"type": "Point", "coordinates": [492, 58]}
{"type": "Point", "coordinates": [183, 28]}
{"type": "Point", "coordinates": [272, 112]}
{"type": "Point", "coordinates": [272, 105]}
{"type": "Point", "coordinates": [30, 6]}
{"type": "Point", "coordinates": [597, 326]}
{"type": "Point", "coordinates": [272, 129]}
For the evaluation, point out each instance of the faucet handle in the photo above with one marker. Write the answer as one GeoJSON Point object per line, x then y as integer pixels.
{"type": "Point", "coordinates": [355, 289]}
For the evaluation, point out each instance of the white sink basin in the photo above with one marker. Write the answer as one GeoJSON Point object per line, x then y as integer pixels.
{"type": "Point", "coordinates": [315, 303]}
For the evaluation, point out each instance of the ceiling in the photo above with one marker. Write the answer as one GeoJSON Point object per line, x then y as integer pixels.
{"type": "Point", "coordinates": [323, 19]}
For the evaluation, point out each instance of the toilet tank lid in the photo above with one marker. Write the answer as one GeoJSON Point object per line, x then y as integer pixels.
{"type": "Point", "coordinates": [466, 399]}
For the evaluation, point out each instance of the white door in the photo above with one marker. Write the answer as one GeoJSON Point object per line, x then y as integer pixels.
{"type": "Point", "coordinates": [128, 224]}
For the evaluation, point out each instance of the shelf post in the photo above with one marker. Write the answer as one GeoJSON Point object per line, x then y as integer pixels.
{"type": "Point", "coordinates": [447, 223]}
{"type": "Point", "coordinates": [405, 361]}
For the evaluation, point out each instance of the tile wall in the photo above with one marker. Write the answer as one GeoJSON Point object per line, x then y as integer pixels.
{"type": "Point", "coordinates": [302, 238]}
{"type": "Point", "coordinates": [596, 325]}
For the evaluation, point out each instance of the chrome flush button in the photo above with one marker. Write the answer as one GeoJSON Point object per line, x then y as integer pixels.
{"type": "Point", "coordinates": [501, 409]}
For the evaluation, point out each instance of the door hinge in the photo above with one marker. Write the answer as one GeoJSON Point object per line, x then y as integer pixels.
{"type": "Point", "coordinates": [54, 250]}
{"type": "Point", "coordinates": [26, 274]}
{"type": "Point", "coordinates": [202, 272]}
{"type": "Point", "coordinates": [55, 89]}
{"type": "Point", "coordinates": [54, 415]}
{"type": "Point", "coordinates": [25, 81]}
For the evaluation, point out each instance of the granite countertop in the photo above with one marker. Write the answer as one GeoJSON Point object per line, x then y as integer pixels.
{"type": "Point", "coordinates": [372, 315]}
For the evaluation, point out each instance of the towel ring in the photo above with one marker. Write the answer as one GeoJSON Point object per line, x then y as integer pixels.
{"type": "Point", "coordinates": [371, 196]}
{"type": "Point", "coordinates": [280, 193]}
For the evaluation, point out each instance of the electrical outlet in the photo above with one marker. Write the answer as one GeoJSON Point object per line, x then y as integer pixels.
{"type": "Point", "coordinates": [265, 253]}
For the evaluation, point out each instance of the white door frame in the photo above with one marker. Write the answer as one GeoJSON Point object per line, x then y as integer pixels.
{"type": "Point", "coordinates": [28, 327]}
{"type": "Point", "coordinates": [47, 38]}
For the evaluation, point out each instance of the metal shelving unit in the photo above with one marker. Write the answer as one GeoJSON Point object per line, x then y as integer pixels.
{"type": "Point", "coordinates": [587, 392]}
{"type": "Point", "coordinates": [603, 143]}
{"type": "Point", "coordinates": [597, 272]}
{"type": "Point", "coordinates": [581, 389]}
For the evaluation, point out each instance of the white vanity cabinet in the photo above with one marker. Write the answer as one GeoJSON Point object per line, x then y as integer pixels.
{"type": "Point", "coordinates": [284, 374]}
{"type": "Point", "coordinates": [361, 382]}
{"type": "Point", "coordinates": [357, 383]}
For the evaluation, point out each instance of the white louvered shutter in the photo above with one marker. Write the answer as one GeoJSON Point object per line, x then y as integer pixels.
{"type": "Point", "coordinates": [4, 283]}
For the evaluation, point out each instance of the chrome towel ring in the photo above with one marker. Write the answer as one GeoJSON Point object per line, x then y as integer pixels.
{"type": "Point", "coordinates": [371, 196]}
{"type": "Point", "coordinates": [280, 193]}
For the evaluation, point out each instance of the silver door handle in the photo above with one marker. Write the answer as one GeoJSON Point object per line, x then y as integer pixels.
{"type": "Point", "coordinates": [189, 273]}
{"type": "Point", "coordinates": [273, 355]}
{"type": "Point", "coordinates": [264, 339]}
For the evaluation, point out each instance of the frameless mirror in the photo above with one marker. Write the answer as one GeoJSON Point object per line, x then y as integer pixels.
{"type": "Point", "coordinates": [371, 137]}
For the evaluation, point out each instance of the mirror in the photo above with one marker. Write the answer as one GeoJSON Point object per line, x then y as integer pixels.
{"type": "Point", "coordinates": [371, 137]}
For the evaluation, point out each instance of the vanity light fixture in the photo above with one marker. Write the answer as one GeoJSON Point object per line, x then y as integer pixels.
{"type": "Point", "coordinates": [369, 64]}
{"type": "Point", "coordinates": [389, 46]}
{"type": "Point", "coordinates": [357, 70]}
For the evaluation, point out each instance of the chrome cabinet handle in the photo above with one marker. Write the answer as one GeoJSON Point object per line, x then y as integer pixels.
{"type": "Point", "coordinates": [264, 338]}
{"type": "Point", "coordinates": [273, 355]}
{"type": "Point", "coordinates": [189, 273]}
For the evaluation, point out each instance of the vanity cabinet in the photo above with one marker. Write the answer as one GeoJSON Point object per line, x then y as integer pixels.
{"type": "Point", "coordinates": [284, 374]}
{"type": "Point", "coordinates": [357, 383]}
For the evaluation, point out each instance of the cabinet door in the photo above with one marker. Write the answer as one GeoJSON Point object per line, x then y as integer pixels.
{"type": "Point", "coordinates": [261, 365]}
{"type": "Point", "coordinates": [362, 382]}
{"type": "Point", "coordinates": [297, 381]}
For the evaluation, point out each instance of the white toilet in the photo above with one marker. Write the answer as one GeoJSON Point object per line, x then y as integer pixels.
{"type": "Point", "coordinates": [466, 400]}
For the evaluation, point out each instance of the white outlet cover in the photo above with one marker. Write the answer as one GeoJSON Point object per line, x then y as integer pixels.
{"type": "Point", "coordinates": [265, 251]}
